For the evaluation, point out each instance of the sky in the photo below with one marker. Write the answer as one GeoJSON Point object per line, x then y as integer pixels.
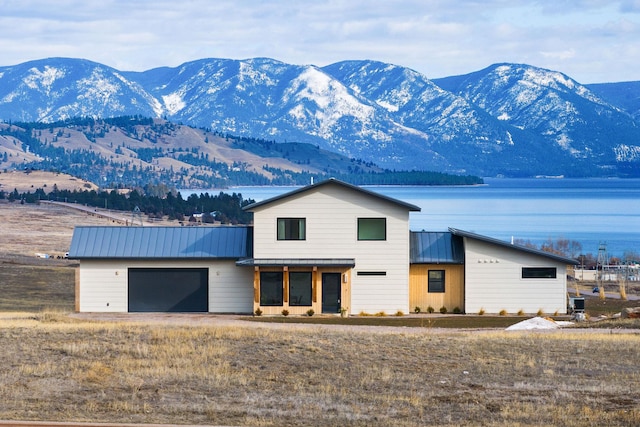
{"type": "Point", "coordinates": [592, 41]}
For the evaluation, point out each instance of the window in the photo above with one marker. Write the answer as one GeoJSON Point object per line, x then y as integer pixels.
{"type": "Point", "coordinates": [372, 229]}
{"type": "Point", "coordinates": [372, 273]}
{"type": "Point", "coordinates": [299, 288]}
{"type": "Point", "coordinates": [271, 288]}
{"type": "Point", "coordinates": [291, 229]}
{"type": "Point", "coordinates": [436, 280]}
{"type": "Point", "coordinates": [539, 272]}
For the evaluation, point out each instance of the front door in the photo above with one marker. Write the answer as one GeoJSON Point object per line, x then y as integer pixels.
{"type": "Point", "coordinates": [331, 291]}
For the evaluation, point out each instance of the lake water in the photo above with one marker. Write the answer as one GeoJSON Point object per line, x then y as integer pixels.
{"type": "Point", "coordinates": [590, 211]}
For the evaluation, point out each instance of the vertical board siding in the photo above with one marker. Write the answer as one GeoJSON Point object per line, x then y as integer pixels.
{"type": "Point", "coordinates": [452, 297]}
{"type": "Point", "coordinates": [494, 281]}
{"type": "Point", "coordinates": [103, 284]}
{"type": "Point", "coordinates": [332, 214]}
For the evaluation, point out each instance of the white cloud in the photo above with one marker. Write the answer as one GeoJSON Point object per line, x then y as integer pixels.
{"type": "Point", "coordinates": [436, 37]}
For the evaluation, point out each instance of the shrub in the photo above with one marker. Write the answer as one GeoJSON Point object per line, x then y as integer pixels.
{"type": "Point", "coordinates": [310, 312]}
{"type": "Point", "coordinates": [481, 312]}
{"type": "Point", "coordinates": [399, 313]}
{"type": "Point", "coordinates": [443, 310]}
{"type": "Point", "coordinates": [456, 310]}
{"type": "Point", "coordinates": [503, 312]}
{"type": "Point", "coordinates": [521, 312]}
{"type": "Point", "coordinates": [364, 314]}
{"type": "Point", "coordinates": [430, 309]}
{"type": "Point", "coordinates": [285, 312]}
{"type": "Point", "coordinates": [416, 310]}
{"type": "Point", "coordinates": [258, 312]}
{"type": "Point", "coordinates": [381, 314]}
{"type": "Point", "coordinates": [540, 312]}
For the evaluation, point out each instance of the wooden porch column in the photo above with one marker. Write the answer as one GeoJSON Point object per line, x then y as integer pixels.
{"type": "Point", "coordinates": [256, 285]}
{"type": "Point", "coordinates": [285, 278]}
{"type": "Point", "coordinates": [314, 285]}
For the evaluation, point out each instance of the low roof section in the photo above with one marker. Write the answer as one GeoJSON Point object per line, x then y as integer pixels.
{"type": "Point", "coordinates": [336, 182]}
{"type": "Point", "coordinates": [429, 247]}
{"type": "Point", "coordinates": [491, 240]}
{"type": "Point", "coordinates": [203, 242]}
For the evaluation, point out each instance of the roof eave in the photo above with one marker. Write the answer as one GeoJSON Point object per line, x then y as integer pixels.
{"type": "Point", "coordinates": [502, 243]}
{"type": "Point", "coordinates": [408, 206]}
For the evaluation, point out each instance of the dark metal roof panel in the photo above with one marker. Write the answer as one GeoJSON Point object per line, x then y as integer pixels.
{"type": "Point", "coordinates": [498, 242]}
{"type": "Point", "coordinates": [161, 242]}
{"type": "Point", "coordinates": [333, 181]}
{"type": "Point", "coordinates": [436, 248]}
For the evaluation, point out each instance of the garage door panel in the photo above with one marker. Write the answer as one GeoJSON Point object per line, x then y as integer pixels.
{"type": "Point", "coordinates": [168, 290]}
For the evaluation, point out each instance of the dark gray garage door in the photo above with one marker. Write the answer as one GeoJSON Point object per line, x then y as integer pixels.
{"type": "Point", "coordinates": [168, 290]}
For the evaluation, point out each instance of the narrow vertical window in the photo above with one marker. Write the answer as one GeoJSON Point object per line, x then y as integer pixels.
{"type": "Point", "coordinates": [300, 288]}
{"type": "Point", "coordinates": [271, 288]}
{"type": "Point", "coordinates": [436, 281]}
{"type": "Point", "coordinates": [292, 229]}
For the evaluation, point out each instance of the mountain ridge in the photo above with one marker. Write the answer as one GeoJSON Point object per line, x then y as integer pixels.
{"type": "Point", "coordinates": [507, 119]}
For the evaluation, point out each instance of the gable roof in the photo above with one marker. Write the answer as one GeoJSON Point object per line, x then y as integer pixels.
{"type": "Point", "coordinates": [336, 182]}
{"type": "Point", "coordinates": [428, 247]}
{"type": "Point", "coordinates": [108, 242]}
{"type": "Point", "coordinates": [504, 244]}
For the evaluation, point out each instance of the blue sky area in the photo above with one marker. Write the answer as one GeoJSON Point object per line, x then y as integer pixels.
{"type": "Point", "coordinates": [592, 41]}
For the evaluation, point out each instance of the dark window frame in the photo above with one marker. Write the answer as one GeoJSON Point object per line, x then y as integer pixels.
{"type": "Point", "coordinates": [285, 229]}
{"type": "Point", "coordinates": [361, 229]}
{"type": "Point", "coordinates": [300, 294]}
{"type": "Point", "coordinates": [275, 292]}
{"type": "Point", "coordinates": [436, 285]}
{"type": "Point", "coordinates": [539, 272]}
{"type": "Point", "coordinates": [371, 273]}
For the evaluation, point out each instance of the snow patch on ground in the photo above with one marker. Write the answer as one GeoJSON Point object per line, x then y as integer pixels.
{"type": "Point", "coordinates": [537, 323]}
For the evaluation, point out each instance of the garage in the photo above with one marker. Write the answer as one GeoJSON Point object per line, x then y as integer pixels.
{"type": "Point", "coordinates": [182, 290]}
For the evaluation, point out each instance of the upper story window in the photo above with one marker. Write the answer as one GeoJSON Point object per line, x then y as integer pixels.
{"type": "Point", "coordinates": [292, 229]}
{"type": "Point", "coordinates": [539, 272]}
{"type": "Point", "coordinates": [372, 229]}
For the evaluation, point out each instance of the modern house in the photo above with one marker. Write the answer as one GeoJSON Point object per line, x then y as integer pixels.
{"type": "Point", "coordinates": [329, 247]}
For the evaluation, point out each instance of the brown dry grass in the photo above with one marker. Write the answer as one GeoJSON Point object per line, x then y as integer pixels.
{"type": "Point", "coordinates": [29, 181]}
{"type": "Point", "coordinates": [39, 228]}
{"type": "Point", "coordinates": [58, 369]}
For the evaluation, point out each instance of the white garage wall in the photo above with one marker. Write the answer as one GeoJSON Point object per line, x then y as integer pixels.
{"type": "Point", "coordinates": [103, 284]}
{"type": "Point", "coordinates": [493, 281]}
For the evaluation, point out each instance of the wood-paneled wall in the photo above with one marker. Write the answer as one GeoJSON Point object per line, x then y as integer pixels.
{"type": "Point", "coordinates": [452, 297]}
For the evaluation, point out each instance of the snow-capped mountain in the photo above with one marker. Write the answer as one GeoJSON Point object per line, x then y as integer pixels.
{"type": "Point", "coordinates": [60, 88]}
{"type": "Point", "coordinates": [507, 119]}
{"type": "Point", "coordinates": [562, 112]}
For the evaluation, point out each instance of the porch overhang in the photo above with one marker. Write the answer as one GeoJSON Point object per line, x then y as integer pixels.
{"type": "Point", "coordinates": [297, 262]}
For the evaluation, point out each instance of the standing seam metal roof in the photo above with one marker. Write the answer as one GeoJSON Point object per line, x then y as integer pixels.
{"type": "Point", "coordinates": [162, 242]}
{"type": "Point", "coordinates": [436, 248]}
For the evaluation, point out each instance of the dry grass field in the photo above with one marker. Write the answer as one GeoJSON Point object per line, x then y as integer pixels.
{"type": "Point", "coordinates": [29, 181]}
{"type": "Point", "coordinates": [217, 372]}
{"type": "Point", "coordinates": [65, 370]}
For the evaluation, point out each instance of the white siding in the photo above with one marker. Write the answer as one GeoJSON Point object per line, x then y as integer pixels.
{"type": "Point", "coordinates": [230, 288]}
{"type": "Point", "coordinates": [104, 287]}
{"type": "Point", "coordinates": [331, 214]}
{"type": "Point", "coordinates": [494, 281]}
